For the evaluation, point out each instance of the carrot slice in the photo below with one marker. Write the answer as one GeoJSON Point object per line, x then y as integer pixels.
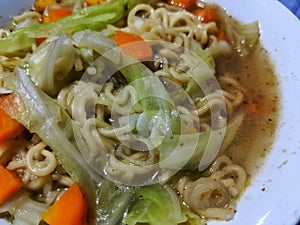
{"type": "Point", "coordinates": [133, 45]}
{"type": "Point", "coordinates": [70, 209]}
{"type": "Point", "coordinates": [206, 15]}
{"type": "Point", "coordinates": [39, 41]}
{"type": "Point", "coordinates": [221, 36]}
{"type": "Point", "coordinates": [255, 107]}
{"type": "Point", "coordinates": [41, 5]}
{"type": "Point", "coordinates": [52, 15]}
{"type": "Point", "coordinates": [186, 4]}
{"type": "Point", "coordinates": [56, 14]}
{"type": "Point", "coordinates": [10, 183]}
{"type": "Point", "coordinates": [9, 127]}
{"type": "Point", "coordinates": [93, 2]}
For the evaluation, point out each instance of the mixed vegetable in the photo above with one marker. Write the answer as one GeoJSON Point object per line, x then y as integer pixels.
{"type": "Point", "coordinates": [30, 105]}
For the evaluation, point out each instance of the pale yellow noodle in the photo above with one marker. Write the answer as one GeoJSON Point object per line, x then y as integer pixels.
{"type": "Point", "coordinates": [40, 161]}
{"type": "Point", "coordinates": [233, 177]}
{"type": "Point", "coordinates": [211, 196]}
{"type": "Point", "coordinates": [205, 193]}
{"type": "Point", "coordinates": [27, 15]}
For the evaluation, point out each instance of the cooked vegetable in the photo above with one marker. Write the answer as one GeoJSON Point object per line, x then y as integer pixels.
{"type": "Point", "coordinates": [70, 209]}
{"type": "Point", "coordinates": [200, 74]}
{"type": "Point", "coordinates": [41, 5]}
{"type": "Point", "coordinates": [221, 36]}
{"type": "Point", "coordinates": [254, 106]}
{"type": "Point", "coordinates": [114, 202]}
{"type": "Point", "coordinates": [22, 209]}
{"type": "Point", "coordinates": [42, 115]}
{"type": "Point", "coordinates": [186, 4]}
{"type": "Point", "coordinates": [55, 14]}
{"type": "Point", "coordinates": [133, 45]}
{"type": "Point", "coordinates": [243, 37]}
{"type": "Point", "coordinates": [198, 150]}
{"type": "Point", "coordinates": [94, 18]}
{"type": "Point", "coordinates": [50, 65]}
{"type": "Point", "coordinates": [10, 183]}
{"type": "Point", "coordinates": [39, 41]}
{"type": "Point", "coordinates": [94, 2]}
{"type": "Point", "coordinates": [156, 205]}
{"type": "Point", "coordinates": [206, 14]}
{"type": "Point", "coordinates": [154, 98]}
{"type": "Point", "coordinates": [9, 127]}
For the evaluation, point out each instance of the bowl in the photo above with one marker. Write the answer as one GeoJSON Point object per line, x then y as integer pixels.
{"type": "Point", "coordinates": [273, 197]}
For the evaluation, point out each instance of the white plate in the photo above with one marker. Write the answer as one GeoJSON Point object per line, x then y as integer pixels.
{"type": "Point", "coordinates": [279, 204]}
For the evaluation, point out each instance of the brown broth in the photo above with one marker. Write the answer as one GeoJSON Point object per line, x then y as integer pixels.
{"type": "Point", "coordinates": [257, 132]}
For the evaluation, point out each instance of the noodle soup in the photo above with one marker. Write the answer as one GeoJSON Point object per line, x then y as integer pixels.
{"type": "Point", "coordinates": [258, 132]}
{"type": "Point", "coordinates": [154, 113]}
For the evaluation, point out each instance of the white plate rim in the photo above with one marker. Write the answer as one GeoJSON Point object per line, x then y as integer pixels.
{"type": "Point", "coordinates": [279, 204]}
{"type": "Point", "coordinates": [273, 198]}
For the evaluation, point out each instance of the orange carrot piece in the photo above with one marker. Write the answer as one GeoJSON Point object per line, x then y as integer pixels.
{"type": "Point", "coordinates": [9, 127]}
{"type": "Point", "coordinates": [221, 36]}
{"type": "Point", "coordinates": [254, 108]}
{"type": "Point", "coordinates": [70, 209]}
{"type": "Point", "coordinates": [56, 14]}
{"type": "Point", "coordinates": [206, 15]}
{"type": "Point", "coordinates": [133, 45]}
{"type": "Point", "coordinates": [93, 2]}
{"type": "Point", "coordinates": [10, 183]}
{"type": "Point", "coordinates": [52, 15]}
{"type": "Point", "coordinates": [186, 4]}
{"type": "Point", "coordinates": [39, 41]}
{"type": "Point", "coordinates": [41, 5]}
{"type": "Point", "coordinates": [45, 19]}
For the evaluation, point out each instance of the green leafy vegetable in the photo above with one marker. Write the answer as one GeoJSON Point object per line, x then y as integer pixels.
{"type": "Point", "coordinates": [203, 54]}
{"type": "Point", "coordinates": [42, 115]}
{"type": "Point", "coordinates": [114, 202]}
{"type": "Point", "coordinates": [186, 151]}
{"type": "Point", "coordinates": [156, 205]}
{"type": "Point", "coordinates": [154, 99]}
{"type": "Point", "coordinates": [200, 74]}
{"type": "Point", "coordinates": [94, 18]}
{"type": "Point", "coordinates": [23, 210]}
{"type": "Point", "coordinates": [243, 37]}
{"type": "Point", "coordinates": [51, 63]}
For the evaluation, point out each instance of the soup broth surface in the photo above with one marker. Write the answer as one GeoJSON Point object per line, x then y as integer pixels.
{"type": "Point", "coordinates": [261, 107]}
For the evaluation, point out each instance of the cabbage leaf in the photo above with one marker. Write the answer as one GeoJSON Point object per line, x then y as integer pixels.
{"type": "Point", "coordinates": [51, 63]}
{"type": "Point", "coordinates": [42, 115]}
{"type": "Point", "coordinates": [114, 202]}
{"type": "Point", "coordinates": [242, 36]}
{"type": "Point", "coordinates": [186, 151]}
{"type": "Point", "coordinates": [155, 205]}
{"type": "Point", "coordinates": [94, 18]}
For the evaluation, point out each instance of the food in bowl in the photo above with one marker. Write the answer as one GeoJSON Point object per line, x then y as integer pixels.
{"type": "Point", "coordinates": [128, 112]}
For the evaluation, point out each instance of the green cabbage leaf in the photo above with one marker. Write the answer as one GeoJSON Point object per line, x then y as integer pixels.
{"type": "Point", "coordinates": [156, 205]}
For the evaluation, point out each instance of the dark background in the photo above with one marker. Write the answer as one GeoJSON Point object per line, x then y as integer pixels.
{"type": "Point", "coordinates": [293, 5]}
